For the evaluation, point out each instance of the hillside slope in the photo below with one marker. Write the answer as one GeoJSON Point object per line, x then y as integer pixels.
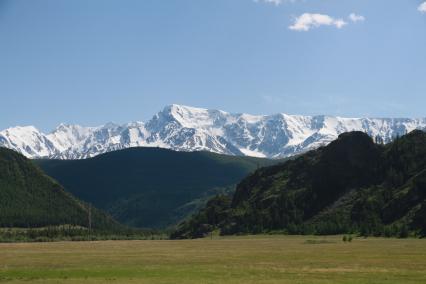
{"type": "Point", "coordinates": [351, 185]}
{"type": "Point", "coordinates": [150, 187]}
{"type": "Point", "coordinates": [29, 198]}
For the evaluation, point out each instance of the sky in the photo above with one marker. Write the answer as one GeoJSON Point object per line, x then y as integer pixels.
{"type": "Point", "coordinates": [91, 62]}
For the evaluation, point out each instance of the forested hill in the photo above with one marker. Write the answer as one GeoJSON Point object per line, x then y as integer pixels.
{"type": "Point", "coordinates": [350, 186]}
{"type": "Point", "coordinates": [30, 199]}
{"type": "Point", "coordinates": [151, 187]}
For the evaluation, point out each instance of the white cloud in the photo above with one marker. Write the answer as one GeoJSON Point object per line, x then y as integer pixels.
{"type": "Point", "coordinates": [308, 21]}
{"type": "Point", "coordinates": [275, 2]}
{"type": "Point", "coordinates": [422, 7]}
{"type": "Point", "coordinates": [356, 18]}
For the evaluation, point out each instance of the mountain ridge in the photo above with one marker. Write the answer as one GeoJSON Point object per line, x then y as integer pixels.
{"type": "Point", "coordinates": [184, 128]}
{"type": "Point", "coordinates": [353, 185]}
{"type": "Point", "coordinates": [150, 187]}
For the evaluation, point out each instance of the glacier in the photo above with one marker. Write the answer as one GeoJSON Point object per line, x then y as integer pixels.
{"type": "Point", "coordinates": [184, 128]}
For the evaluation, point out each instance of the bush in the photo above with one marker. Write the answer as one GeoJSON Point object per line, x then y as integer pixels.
{"type": "Point", "coordinates": [347, 238]}
{"type": "Point", "coordinates": [404, 232]}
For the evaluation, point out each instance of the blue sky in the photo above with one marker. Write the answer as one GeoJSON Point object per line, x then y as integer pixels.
{"type": "Point", "coordinates": [90, 62]}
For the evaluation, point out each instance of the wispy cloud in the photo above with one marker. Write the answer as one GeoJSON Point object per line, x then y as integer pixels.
{"type": "Point", "coordinates": [308, 21]}
{"type": "Point", "coordinates": [422, 7]}
{"type": "Point", "coordinates": [275, 2]}
{"type": "Point", "coordinates": [356, 18]}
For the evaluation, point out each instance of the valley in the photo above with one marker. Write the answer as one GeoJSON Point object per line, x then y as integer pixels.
{"type": "Point", "coordinates": [354, 185]}
{"type": "Point", "coordinates": [196, 142]}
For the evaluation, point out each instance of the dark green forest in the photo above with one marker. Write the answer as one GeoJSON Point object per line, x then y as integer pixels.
{"type": "Point", "coordinates": [31, 199]}
{"type": "Point", "coordinates": [151, 187]}
{"type": "Point", "coordinates": [353, 185]}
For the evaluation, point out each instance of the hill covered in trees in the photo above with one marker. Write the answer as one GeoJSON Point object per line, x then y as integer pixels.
{"type": "Point", "coordinates": [352, 185]}
{"type": "Point", "coordinates": [31, 199]}
{"type": "Point", "coordinates": [151, 187]}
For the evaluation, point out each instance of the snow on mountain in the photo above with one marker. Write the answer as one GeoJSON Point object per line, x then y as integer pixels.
{"type": "Point", "coordinates": [28, 141]}
{"type": "Point", "coordinates": [185, 128]}
{"type": "Point", "coordinates": [66, 136]}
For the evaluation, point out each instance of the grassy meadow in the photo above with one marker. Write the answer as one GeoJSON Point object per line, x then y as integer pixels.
{"type": "Point", "coordinates": [251, 259]}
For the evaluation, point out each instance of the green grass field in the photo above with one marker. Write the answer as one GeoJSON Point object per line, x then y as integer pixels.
{"type": "Point", "coordinates": [255, 259]}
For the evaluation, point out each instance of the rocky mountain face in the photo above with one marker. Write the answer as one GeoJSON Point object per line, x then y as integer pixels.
{"type": "Point", "coordinates": [185, 128]}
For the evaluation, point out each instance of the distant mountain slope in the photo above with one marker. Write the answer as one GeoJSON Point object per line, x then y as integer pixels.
{"type": "Point", "coordinates": [352, 185]}
{"type": "Point", "coordinates": [150, 187]}
{"type": "Point", "coordinates": [29, 198]}
{"type": "Point", "coordinates": [185, 128]}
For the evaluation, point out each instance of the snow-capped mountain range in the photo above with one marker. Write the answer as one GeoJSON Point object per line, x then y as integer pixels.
{"type": "Point", "coordinates": [185, 128]}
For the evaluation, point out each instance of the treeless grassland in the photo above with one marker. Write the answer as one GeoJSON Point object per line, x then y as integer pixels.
{"type": "Point", "coordinates": [251, 259]}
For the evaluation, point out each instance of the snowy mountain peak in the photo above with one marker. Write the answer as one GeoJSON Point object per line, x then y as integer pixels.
{"type": "Point", "coordinates": [186, 128]}
{"type": "Point", "coordinates": [191, 117]}
{"type": "Point", "coordinates": [21, 130]}
{"type": "Point", "coordinates": [66, 136]}
{"type": "Point", "coordinates": [27, 140]}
